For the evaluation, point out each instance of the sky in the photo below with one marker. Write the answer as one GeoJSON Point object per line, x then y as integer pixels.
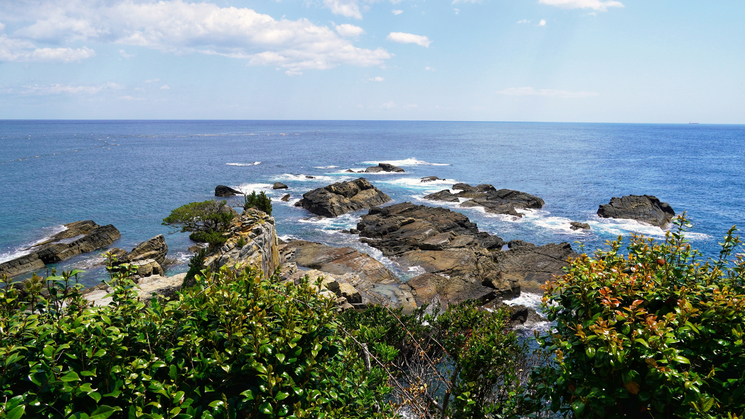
{"type": "Point", "coordinates": [635, 61]}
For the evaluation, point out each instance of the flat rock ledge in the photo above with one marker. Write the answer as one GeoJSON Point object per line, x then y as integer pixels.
{"type": "Point", "coordinates": [496, 201]}
{"type": "Point", "coordinates": [645, 208]}
{"type": "Point", "coordinates": [79, 237]}
{"type": "Point", "coordinates": [158, 286]}
{"type": "Point", "coordinates": [384, 167]}
{"type": "Point", "coordinates": [343, 197]}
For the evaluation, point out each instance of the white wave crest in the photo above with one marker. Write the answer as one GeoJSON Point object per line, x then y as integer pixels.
{"type": "Point", "coordinates": [247, 188]}
{"type": "Point", "coordinates": [407, 162]}
{"type": "Point", "coordinates": [256, 163]}
{"type": "Point", "coordinates": [25, 249]}
{"type": "Point", "coordinates": [326, 167]}
{"type": "Point", "coordinates": [416, 183]}
{"type": "Point", "coordinates": [307, 178]}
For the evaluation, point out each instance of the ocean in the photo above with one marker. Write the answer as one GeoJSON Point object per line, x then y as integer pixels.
{"type": "Point", "coordinates": [133, 173]}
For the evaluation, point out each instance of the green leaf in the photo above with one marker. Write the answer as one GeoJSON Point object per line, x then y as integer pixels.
{"type": "Point", "coordinates": [96, 396]}
{"type": "Point", "coordinates": [105, 411]}
{"type": "Point", "coordinates": [265, 408]}
{"type": "Point", "coordinates": [16, 413]}
{"type": "Point", "coordinates": [281, 396]}
{"type": "Point", "coordinates": [70, 377]}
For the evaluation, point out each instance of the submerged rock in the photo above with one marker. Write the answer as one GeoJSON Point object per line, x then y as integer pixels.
{"type": "Point", "coordinates": [645, 208]}
{"type": "Point", "coordinates": [285, 198]}
{"type": "Point", "coordinates": [226, 191]}
{"type": "Point", "coordinates": [429, 179]}
{"type": "Point", "coordinates": [342, 197]}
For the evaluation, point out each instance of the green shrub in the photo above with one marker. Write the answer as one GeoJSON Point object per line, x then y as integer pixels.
{"type": "Point", "coordinates": [196, 266]}
{"type": "Point", "coordinates": [233, 346]}
{"type": "Point", "coordinates": [206, 220]}
{"type": "Point", "coordinates": [261, 202]}
{"type": "Point", "coordinates": [654, 333]}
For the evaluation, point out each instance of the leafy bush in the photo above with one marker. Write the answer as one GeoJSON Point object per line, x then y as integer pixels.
{"type": "Point", "coordinates": [461, 363]}
{"type": "Point", "coordinates": [654, 333]}
{"type": "Point", "coordinates": [233, 346]}
{"type": "Point", "coordinates": [196, 265]}
{"type": "Point", "coordinates": [206, 220]}
{"type": "Point", "coordinates": [261, 202]}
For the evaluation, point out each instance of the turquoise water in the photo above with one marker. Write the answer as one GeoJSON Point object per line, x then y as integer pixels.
{"type": "Point", "coordinates": [132, 173]}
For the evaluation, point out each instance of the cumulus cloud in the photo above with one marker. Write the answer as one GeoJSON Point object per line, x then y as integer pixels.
{"type": "Point", "coordinates": [408, 38]}
{"type": "Point", "coordinates": [165, 87]}
{"type": "Point", "coordinates": [529, 91]}
{"type": "Point", "coordinates": [397, 11]}
{"type": "Point", "coordinates": [429, 69]}
{"type": "Point", "coordinates": [376, 79]}
{"type": "Point", "coordinates": [542, 22]}
{"type": "Point", "coordinates": [599, 5]}
{"type": "Point", "coordinates": [347, 30]}
{"type": "Point", "coordinates": [520, 22]}
{"type": "Point", "coordinates": [346, 8]}
{"type": "Point", "coordinates": [125, 55]}
{"type": "Point", "coordinates": [73, 89]}
{"type": "Point", "coordinates": [174, 26]}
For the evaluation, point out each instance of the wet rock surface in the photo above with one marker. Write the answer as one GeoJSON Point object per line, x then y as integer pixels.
{"type": "Point", "coordinates": [496, 201]}
{"type": "Point", "coordinates": [384, 167]}
{"type": "Point", "coordinates": [223, 191]}
{"type": "Point", "coordinates": [645, 208]}
{"type": "Point", "coordinates": [531, 266]}
{"type": "Point", "coordinates": [343, 197]}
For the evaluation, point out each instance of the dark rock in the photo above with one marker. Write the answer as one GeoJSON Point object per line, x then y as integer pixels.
{"type": "Point", "coordinates": [403, 227]}
{"type": "Point", "coordinates": [285, 198]}
{"type": "Point", "coordinates": [350, 171]}
{"type": "Point", "coordinates": [20, 265]}
{"type": "Point", "coordinates": [576, 225]}
{"type": "Point", "coordinates": [444, 195]}
{"type": "Point", "coordinates": [226, 191]}
{"type": "Point", "coordinates": [502, 201]}
{"type": "Point", "coordinates": [155, 248]}
{"type": "Point", "coordinates": [354, 231]}
{"type": "Point", "coordinates": [384, 167]}
{"type": "Point", "coordinates": [279, 185]}
{"type": "Point", "coordinates": [97, 238]}
{"type": "Point", "coordinates": [430, 179]}
{"type": "Point", "coordinates": [514, 244]}
{"type": "Point", "coordinates": [309, 177]}
{"type": "Point", "coordinates": [644, 208]}
{"type": "Point", "coordinates": [531, 266]}
{"type": "Point", "coordinates": [343, 197]}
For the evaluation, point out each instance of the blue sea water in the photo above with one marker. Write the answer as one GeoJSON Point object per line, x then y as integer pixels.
{"type": "Point", "coordinates": [133, 173]}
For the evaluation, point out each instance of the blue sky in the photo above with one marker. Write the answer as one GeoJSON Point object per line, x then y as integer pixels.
{"type": "Point", "coordinates": [635, 61]}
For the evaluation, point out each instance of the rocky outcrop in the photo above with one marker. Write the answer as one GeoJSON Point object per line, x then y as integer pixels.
{"type": "Point", "coordinates": [384, 167]}
{"type": "Point", "coordinates": [374, 282]}
{"type": "Point", "coordinates": [252, 240]}
{"type": "Point", "coordinates": [226, 191]}
{"type": "Point", "coordinates": [531, 266]}
{"type": "Point", "coordinates": [155, 248]}
{"type": "Point", "coordinates": [279, 185]}
{"type": "Point", "coordinates": [404, 227]}
{"type": "Point", "coordinates": [497, 201]}
{"type": "Point", "coordinates": [21, 265]}
{"type": "Point", "coordinates": [576, 225]}
{"type": "Point", "coordinates": [155, 286]}
{"type": "Point", "coordinates": [645, 208]}
{"type": "Point", "coordinates": [343, 197]}
{"type": "Point", "coordinates": [441, 242]}
{"type": "Point", "coordinates": [429, 179]}
{"type": "Point", "coordinates": [285, 198]}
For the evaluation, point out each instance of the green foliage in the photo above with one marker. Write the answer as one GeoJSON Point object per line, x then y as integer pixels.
{"type": "Point", "coordinates": [196, 266]}
{"type": "Point", "coordinates": [233, 346]}
{"type": "Point", "coordinates": [261, 202]}
{"type": "Point", "coordinates": [206, 220]}
{"type": "Point", "coordinates": [461, 363]}
{"type": "Point", "coordinates": [654, 333]}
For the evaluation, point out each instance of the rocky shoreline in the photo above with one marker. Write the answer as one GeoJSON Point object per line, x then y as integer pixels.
{"type": "Point", "coordinates": [456, 261]}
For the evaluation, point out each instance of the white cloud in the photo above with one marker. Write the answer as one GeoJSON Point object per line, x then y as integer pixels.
{"type": "Point", "coordinates": [411, 106]}
{"type": "Point", "coordinates": [397, 11]}
{"type": "Point", "coordinates": [125, 55]}
{"type": "Point", "coordinates": [376, 79]}
{"type": "Point", "coordinates": [346, 30]}
{"type": "Point", "coordinates": [520, 22]}
{"type": "Point", "coordinates": [17, 50]}
{"type": "Point", "coordinates": [73, 89]}
{"type": "Point", "coordinates": [408, 38]}
{"type": "Point", "coordinates": [529, 91]}
{"type": "Point", "coordinates": [429, 69]}
{"type": "Point", "coordinates": [173, 26]}
{"type": "Point", "coordinates": [457, 11]}
{"type": "Point", "coordinates": [389, 105]}
{"type": "Point", "coordinates": [165, 87]}
{"type": "Point", "coordinates": [542, 22]}
{"type": "Point", "coordinates": [346, 8]}
{"type": "Point", "coordinates": [599, 5]}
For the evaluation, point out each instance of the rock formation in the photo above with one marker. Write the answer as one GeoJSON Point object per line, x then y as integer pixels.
{"type": "Point", "coordinates": [279, 185]}
{"type": "Point", "coordinates": [384, 167]}
{"type": "Point", "coordinates": [644, 208]}
{"type": "Point", "coordinates": [226, 191]}
{"type": "Point", "coordinates": [502, 201]}
{"type": "Point", "coordinates": [531, 266]}
{"type": "Point", "coordinates": [79, 237]}
{"type": "Point", "coordinates": [255, 231]}
{"type": "Point", "coordinates": [340, 198]}
{"type": "Point", "coordinates": [576, 225]}
{"type": "Point", "coordinates": [147, 257]}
